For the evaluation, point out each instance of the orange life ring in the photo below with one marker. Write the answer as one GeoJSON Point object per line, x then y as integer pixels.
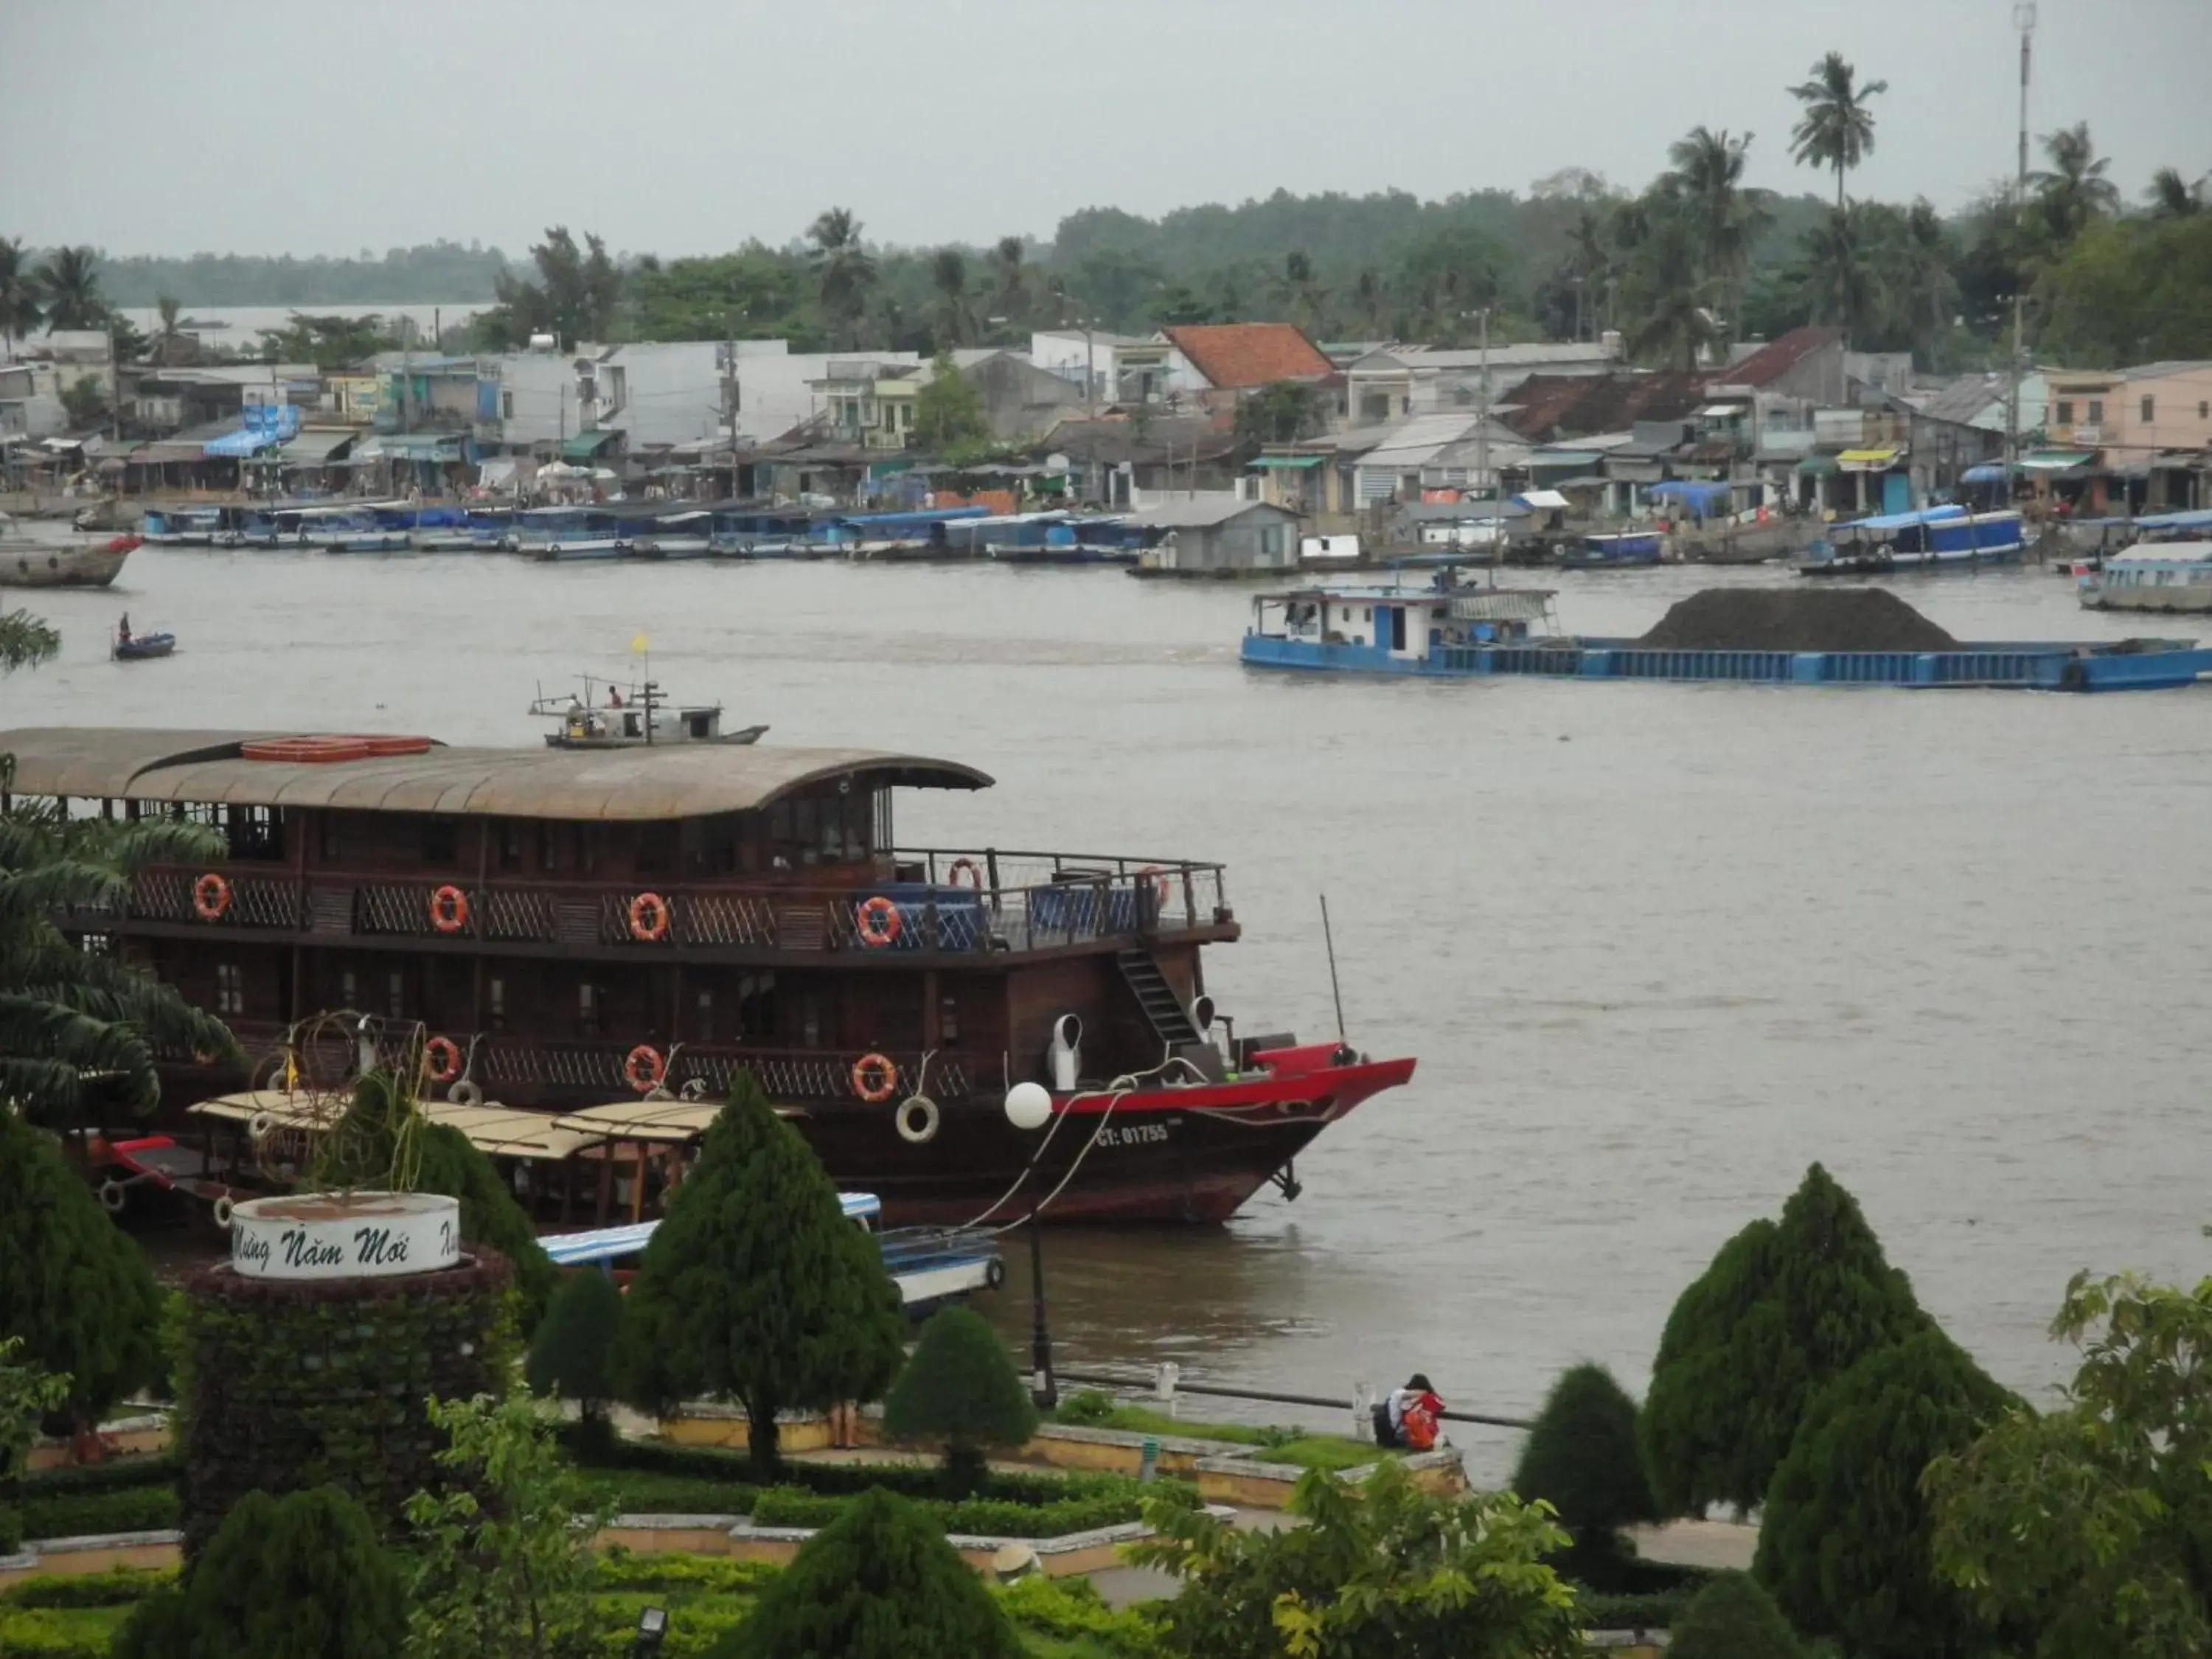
{"type": "Point", "coordinates": [210, 896]}
{"type": "Point", "coordinates": [974, 874]}
{"type": "Point", "coordinates": [449, 909]}
{"type": "Point", "coordinates": [442, 1057]}
{"type": "Point", "coordinates": [648, 917]}
{"type": "Point", "coordinates": [875, 1079]}
{"type": "Point", "coordinates": [1161, 885]}
{"type": "Point", "coordinates": [879, 922]}
{"type": "Point", "coordinates": [644, 1069]}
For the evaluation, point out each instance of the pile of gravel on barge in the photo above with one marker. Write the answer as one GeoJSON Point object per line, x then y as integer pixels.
{"type": "Point", "coordinates": [1794, 619]}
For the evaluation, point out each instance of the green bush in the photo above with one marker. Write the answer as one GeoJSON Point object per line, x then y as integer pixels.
{"type": "Point", "coordinates": [785, 1506]}
{"type": "Point", "coordinates": [60, 1633]}
{"type": "Point", "coordinates": [1784, 1308]}
{"type": "Point", "coordinates": [1734, 1618]}
{"type": "Point", "coordinates": [300, 1576]}
{"type": "Point", "coordinates": [73, 1286]}
{"type": "Point", "coordinates": [960, 1390]}
{"type": "Point", "coordinates": [1638, 1610]}
{"type": "Point", "coordinates": [1085, 1408]}
{"type": "Point", "coordinates": [1581, 1458]}
{"type": "Point", "coordinates": [880, 1583]}
{"type": "Point", "coordinates": [116, 1474]}
{"type": "Point", "coordinates": [632, 1492]}
{"type": "Point", "coordinates": [573, 1354]}
{"type": "Point", "coordinates": [118, 1587]}
{"type": "Point", "coordinates": [1072, 1608]}
{"type": "Point", "coordinates": [1844, 1543]}
{"type": "Point", "coordinates": [128, 1509]}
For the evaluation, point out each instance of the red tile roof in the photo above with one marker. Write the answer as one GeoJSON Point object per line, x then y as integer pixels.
{"type": "Point", "coordinates": [1239, 354]}
{"type": "Point", "coordinates": [1546, 408]}
{"type": "Point", "coordinates": [1772, 362]}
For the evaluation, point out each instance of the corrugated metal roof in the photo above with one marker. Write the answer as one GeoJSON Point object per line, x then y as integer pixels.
{"type": "Point", "coordinates": [1207, 508]}
{"type": "Point", "coordinates": [628, 785]}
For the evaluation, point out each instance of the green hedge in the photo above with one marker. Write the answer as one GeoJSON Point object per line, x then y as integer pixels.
{"type": "Point", "coordinates": [636, 1492]}
{"type": "Point", "coordinates": [793, 1506]}
{"type": "Point", "coordinates": [1650, 1610]}
{"type": "Point", "coordinates": [77, 1479]}
{"type": "Point", "coordinates": [118, 1587]}
{"type": "Point", "coordinates": [59, 1633]}
{"type": "Point", "coordinates": [132, 1509]}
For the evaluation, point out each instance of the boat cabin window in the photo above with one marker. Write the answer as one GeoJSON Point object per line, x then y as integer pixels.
{"type": "Point", "coordinates": [656, 848]}
{"type": "Point", "coordinates": [495, 1003]}
{"type": "Point", "coordinates": [332, 838]}
{"type": "Point", "coordinates": [395, 988]}
{"type": "Point", "coordinates": [699, 726]}
{"type": "Point", "coordinates": [229, 989]}
{"type": "Point", "coordinates": [255, 832]}
{"type": "Point", "coordinates": [948, 1018]}
{"type": "Point", "coordinates": [703, 1029]}
{"type": "Point", "coordinates": [587, 1008]}
{"type": "Point", "coordinates": [756, 1016]}
{"type": "Point", "coordinates": [711, 845]}
{"type": "Point", "coordinates": [349, 990]}
{"type": "Point", "coordinates": [546, 841]}
{"type": "Point", "coordinates": [510, 845]}
{"type": "Point", "coordinates": [441, 841]}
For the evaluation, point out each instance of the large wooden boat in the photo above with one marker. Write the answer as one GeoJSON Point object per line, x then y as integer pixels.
{"type": "Point", "coordinates": [971, 1035]}
{"type": "Point", "coordinates": [25, 563]}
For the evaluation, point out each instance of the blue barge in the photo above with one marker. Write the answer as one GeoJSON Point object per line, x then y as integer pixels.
{"type": "Point", "coordinates": [1484, 633]}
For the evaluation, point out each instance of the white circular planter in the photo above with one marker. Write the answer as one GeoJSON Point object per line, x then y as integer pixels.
{"type": "Point", "coordinates": [345, 1234]}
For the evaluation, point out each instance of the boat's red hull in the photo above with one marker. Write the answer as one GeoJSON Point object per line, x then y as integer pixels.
{"type": "Point", "coordinates": [1192, 1153]}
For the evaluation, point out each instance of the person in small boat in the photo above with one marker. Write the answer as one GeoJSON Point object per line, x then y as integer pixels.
{"type": "Point", "coordinates": [1409, 1419]}
{"type": "Point", "coordinates": [123, 630]}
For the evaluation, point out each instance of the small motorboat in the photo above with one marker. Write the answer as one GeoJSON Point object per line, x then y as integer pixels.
{"type": "Point", "coordinates": [136, 647]}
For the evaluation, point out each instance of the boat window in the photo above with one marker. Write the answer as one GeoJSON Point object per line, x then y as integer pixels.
{"type": "Point", "coordinates": [805, 825]}
{"type": "Point", "coordinates": [704, 1031]}
{"type": "Point", "coordinates": [656, 848]}
{"type": "Point", "coordinates": [255, 832]}
{"type": "Point", "coordinates": [510, 845]}
{"type": "Point", "coordinates": [546, 841]}
{"type": "Point", "coordinates": [333, 837]}
{"type": "Point", "coordinates": [495, 1002]}
{"type": "Point", "coordinates": [587, 849]}
{"type": "Point", "coordinates": [810, 1022]}
{"type": "Point", "coordinates": [757, 1012]}
{"type": "Point", "coordinates": [948, 1018]}
{"type": "Point", "coordinates": [229, 989]}
{"type": "Point", "coordinates": [587, 1008]}
{"type": "Point", "coordinates": [349, 990]}
{"type": "Point", "coordinates": [441, 841]}
{"type": "Point", "coordinates": [395, 995]}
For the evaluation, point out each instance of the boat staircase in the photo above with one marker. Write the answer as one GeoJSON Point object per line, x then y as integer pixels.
{"type": "Point", "coordinates": [1170, 1021]}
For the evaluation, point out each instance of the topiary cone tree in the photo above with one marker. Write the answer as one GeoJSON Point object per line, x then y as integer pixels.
{"type": "Point", "coordinates": [1845, 1542]}
{"type": "Point", "coordinates": [961, 1388]}
{"type": "Point", "coordinates": [300, 1576]}
{"type": "Point", "coordinates": [573, 1355]}
{"type": "Point", "coordinates": [74, 1287]}
{"type": "Point", "coordinates": [756, 1286]}
{"type": "Point", "coordinates": [877, 1582]}
{"type": "Point", "coordinates": [1733, 1618]}
{"type": "Point", "coordinates": [1582, 1459]}
{"type": "Point", "coordinates": [1784, 1308]}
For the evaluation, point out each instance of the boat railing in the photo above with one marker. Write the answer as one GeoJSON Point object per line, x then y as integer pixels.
{"type": "Point", "coordinates": [938, 901]}
{"type": "Point", "coordinates": [705, 1071]}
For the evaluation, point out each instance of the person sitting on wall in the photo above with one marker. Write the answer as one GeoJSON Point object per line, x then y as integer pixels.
{"type": "Point", "coordinates": [1409, 1419]}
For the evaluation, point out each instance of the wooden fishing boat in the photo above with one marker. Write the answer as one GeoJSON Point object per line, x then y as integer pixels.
{"type": "Point", "coordinates": [84, 564]}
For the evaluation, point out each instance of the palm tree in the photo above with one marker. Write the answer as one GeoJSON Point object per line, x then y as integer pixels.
{"type": "Point", "coordinates": [20, 309]}
{"type": "Point", "coordinates": [956, 318]}
{"type": "Point", "coordinates": [2073, 189]}
{"type": "Point", "coordinates": [1302, 293]}
{"type": "Point", "coordinates": [843, 269]}
{"type": "Point", "coordinates": [69, 280]}
{"type": "Point", "coordinates": [169, 337]}
{"type": "Point", "coordinates": [1010, 281]}
{"type": "Point", "coordinates": [2171, 197]}
{"type": "Point", "coordinates": [1668, 299]}
{"type": "Point", "coordinates": [1918, 279]}
{"type": "Point", "coordinates": [1837, 129]}
{"type": "Point", "coordinates": [1838, 280]}
{"type": "Point", "coordinates": [1707, 183]}
{"type": "Point", "coordinates": [25, 641]}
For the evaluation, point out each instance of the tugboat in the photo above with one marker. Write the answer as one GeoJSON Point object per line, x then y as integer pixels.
{"type": "Point", "coordinates": [974, 1035]}
{"type": "Point", "coordinates": [631, 716]}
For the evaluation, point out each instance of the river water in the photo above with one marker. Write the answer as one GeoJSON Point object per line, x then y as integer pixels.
{"type": "Point", "coordinates": [1656, 947]}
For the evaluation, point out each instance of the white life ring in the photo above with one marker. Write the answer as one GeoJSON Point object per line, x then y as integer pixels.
{"type": "Point", "coordinates": [917, 1133]}
{"type": "Point", "coordinates": [260, 1127]}
{"type": "Point", "coordinates": [222, 1209]}
{"type": "Point", "coordinates": [113, 1198]}
{"type": "Point", "coordinates": [694, 1088]}
{"type": "Point", "coordinates": [465, 1093]}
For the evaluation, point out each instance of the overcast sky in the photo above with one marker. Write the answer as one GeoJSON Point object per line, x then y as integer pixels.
{"type": "Point", "coordinates": [688, 125]}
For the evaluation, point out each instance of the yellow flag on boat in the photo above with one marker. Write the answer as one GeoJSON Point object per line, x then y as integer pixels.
{"type": "Point", "coordinates": [638, 645]}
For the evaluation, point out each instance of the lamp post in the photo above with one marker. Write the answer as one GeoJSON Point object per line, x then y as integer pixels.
{"type": "Point", "coordinates": [1042, 1390]}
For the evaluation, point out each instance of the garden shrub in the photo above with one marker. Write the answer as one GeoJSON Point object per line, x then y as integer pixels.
{"type": "Point", "coordinates": [1072, 1609]}
{"type": "Point", "coordinates": [960, 1389]}
{"type": "Point", "coordinates": [1733, 1618]}
{"type": "Point", "coordinates": [116, 1586]}
{"type": "Point", "coordinates": [126, 1508]}
{"type": "Point", "coordinates": [1581, 1458]}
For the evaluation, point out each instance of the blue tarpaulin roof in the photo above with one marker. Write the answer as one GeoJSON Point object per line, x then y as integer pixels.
{"type": "Point", "coordinates": [1906, 520]}
{"type": "Point", "coordinates": [1697, 492]}
{"type": "Point", "coordinates": [1987, 472]}
{"type": "Point", "coordinates": [262, 426]}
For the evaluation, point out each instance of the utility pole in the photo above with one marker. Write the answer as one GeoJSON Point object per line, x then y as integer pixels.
{"type": "Point", "coordinates": [2023, 19]}
{"type": "Point", "coordinates": [1482, 413]}
{"type": "Point", "coordinates": [114, 389]}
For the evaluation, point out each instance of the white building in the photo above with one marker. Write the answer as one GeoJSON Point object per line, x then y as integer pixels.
{"type": "Point", "coordinates": [666, 392]}
{"type": "Point", "coordinates": [1399, 382]}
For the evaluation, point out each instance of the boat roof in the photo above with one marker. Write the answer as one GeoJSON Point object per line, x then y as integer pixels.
{"type": "Point", "coordinates": [499, 1131]}
{"type": "Point", "coordinates": [1906, 520]}
{"type": "Point", "coordinates": [2164, 553]}
{"type": "Point", "coordinates": [606, 1243]}
{"type": "Point", "coordinates": [645, 1120]}
{"type": "Point", "coordinates": [647, 783]}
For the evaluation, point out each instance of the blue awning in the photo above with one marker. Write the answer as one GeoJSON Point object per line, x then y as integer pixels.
{"type": "Point", "coordinates": [1987, 472]}
{"type": "Point", "coordinates": [262, 426]}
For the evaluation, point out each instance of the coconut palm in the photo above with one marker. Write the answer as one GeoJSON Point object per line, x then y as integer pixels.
{"type": "Point", "coordinates": [69, 281]}
{"type": "Point", "coordinates": [1840, 281]}
{"type": "Point", "coordinates": [20, 309]}
{"type": "Point", "coordinates": [1667, 299]}
{"type": "Point", "coordinates": [843, 268]}
{"type": "Point", "coordinates": [1837, 129]}
{"type": "Point", "coordinates": [2073, 189]}
{"type": "Point", "coordinates": [1916, 278]}
{"type": "Point", "coordinates": [2173, 196]}
{"type": "Point", "coordinates": [955, 317]}
{"type": "Point", "coordinates": [1707, 185]}
{"type": "Point", "coordinates": [1010, 281]}
{"type": "Point", "coordinates": [169, 337]}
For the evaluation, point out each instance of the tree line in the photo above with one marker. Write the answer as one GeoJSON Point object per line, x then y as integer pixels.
{"type": "Point", "coordinates": [1693, 261]}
